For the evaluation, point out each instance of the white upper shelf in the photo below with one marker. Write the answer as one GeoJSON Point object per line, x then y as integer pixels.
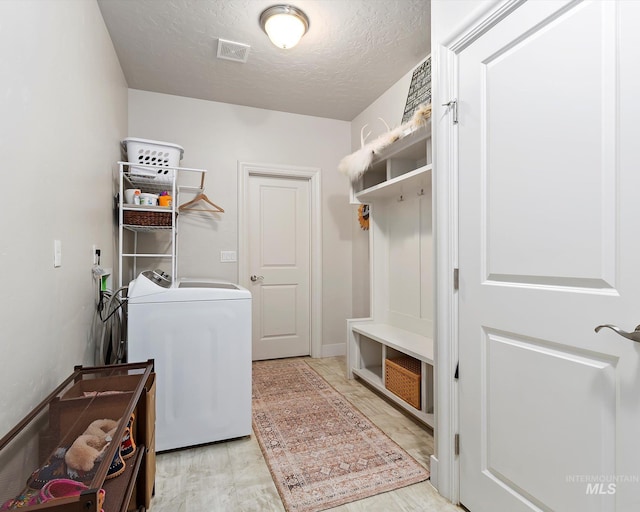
{"type": "Point", "coordinates": [400, 168]}
{"type": "Point", "coordinates": [406, 146]}
{"type": "Point", "coordinates": [397, 186]}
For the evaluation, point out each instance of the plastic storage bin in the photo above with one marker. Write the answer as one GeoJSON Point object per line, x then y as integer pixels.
{"type": "Point", "coordinates": [155, 155]}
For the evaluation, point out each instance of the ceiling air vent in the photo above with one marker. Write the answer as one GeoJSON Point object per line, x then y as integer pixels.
{"type": "Point", "coordinates": [231, 50]}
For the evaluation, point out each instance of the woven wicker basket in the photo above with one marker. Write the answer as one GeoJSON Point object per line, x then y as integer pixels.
{"type": "Point", "coordinates": [143, 218]}
{"type": "Point", "coordinates": [402, 378]}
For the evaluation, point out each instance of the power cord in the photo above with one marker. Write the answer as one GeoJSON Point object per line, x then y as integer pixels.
{"type": "Point", "coordinates": [109, 327]}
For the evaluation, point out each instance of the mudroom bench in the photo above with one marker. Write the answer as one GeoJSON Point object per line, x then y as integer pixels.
{"type": "Point", "coordinates": [395, 362]}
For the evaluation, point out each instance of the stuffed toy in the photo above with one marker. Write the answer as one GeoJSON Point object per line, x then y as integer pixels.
{"type": "Point", "coordinates": [84, 452]}
{"type": "Point", "coordinates": [102, 428]}
{"type": "Point", "coordinates": [88, 448]}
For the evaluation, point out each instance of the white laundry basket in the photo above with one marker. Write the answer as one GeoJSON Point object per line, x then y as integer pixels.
{"type": "Point", "coordinates": [155, 154]}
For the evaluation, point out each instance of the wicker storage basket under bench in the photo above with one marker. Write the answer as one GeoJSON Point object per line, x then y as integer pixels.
{"type": "Point", "coordinates": [402, 377]}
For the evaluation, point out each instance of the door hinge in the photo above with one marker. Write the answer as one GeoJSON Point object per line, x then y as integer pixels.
{"type": "Point", "coordinates": [453, 104]}
{"type": "Point", "coordinates": [456, 278]}
{"type": "Point", "coordinates": [456, 444]}
{"type": "Point", "coordinates": [457, 374]}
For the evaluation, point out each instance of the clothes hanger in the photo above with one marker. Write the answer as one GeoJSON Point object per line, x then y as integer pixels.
{"type": "Point", "coordinates": [201, 197]}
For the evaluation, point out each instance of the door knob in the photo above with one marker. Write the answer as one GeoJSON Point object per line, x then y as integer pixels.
{"type": "Point", "coordinates": [255, 278]}
{"type": "Point", "coordinates": [633, 336]}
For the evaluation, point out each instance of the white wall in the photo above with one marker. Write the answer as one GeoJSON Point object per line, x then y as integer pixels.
{"type": "Point", "coordinates": [63, 101]}
{"type": "Point", "coordinates": [390, 107]}
{"type": "Point", "coordinates": [216, 136]}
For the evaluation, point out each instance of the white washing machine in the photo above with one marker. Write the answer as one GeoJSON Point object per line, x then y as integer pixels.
{"type": "Point", "coordinates": [199, 333]}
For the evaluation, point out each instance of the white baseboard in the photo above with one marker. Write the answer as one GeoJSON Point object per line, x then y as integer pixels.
{"type": "Point", "coordinates": [433, 469]}
{"type": "Point", "coordinates": [336, 349]}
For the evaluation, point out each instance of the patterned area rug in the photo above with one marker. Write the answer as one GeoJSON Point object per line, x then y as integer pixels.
{"type": "Point", "coordinates": [322, 452]}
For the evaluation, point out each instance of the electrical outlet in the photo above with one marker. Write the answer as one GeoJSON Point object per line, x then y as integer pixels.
{"type": "Point", "coordinates": [228, 256]}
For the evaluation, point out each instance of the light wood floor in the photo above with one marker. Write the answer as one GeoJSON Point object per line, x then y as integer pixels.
{"type": "Point", "coordinates": [233, 476]}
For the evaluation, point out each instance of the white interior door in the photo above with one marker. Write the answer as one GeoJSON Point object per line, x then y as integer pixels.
{"type": "Point", "coordinates": [549, 191]}
{"type": "Point", "coordinates": [279, 256]}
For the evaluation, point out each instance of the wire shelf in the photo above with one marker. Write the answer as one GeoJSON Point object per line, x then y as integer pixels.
{"type": "Point", "coordinates": [146, 229]}
{"type": "Point", "coordinates": [137, 219]}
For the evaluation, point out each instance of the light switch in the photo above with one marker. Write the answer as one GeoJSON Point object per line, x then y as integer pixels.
{"type": "Point", "coordinates": [57, 253]}
{"type": "Point", "coordinates": [228, 256]}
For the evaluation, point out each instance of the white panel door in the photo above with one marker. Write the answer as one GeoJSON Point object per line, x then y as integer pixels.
{"type": "Point", "coordinates": [279, 256]}
{"type": "Point", "coordinates": [549, 241]}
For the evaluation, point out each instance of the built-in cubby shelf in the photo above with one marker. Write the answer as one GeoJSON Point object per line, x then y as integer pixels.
{"type": "Point", "coordinates": [371, 344]}
{"type": "Point", "coordinates": [397, 335]}
{"type": "Point", "coordinates": [370, 378]}
{"type": "Point", "coordinates": [396, 187]}
{"type": "Point", "coordinates": [399, 167]}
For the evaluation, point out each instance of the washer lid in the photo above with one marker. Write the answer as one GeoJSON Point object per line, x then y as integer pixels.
{"type": "Point", "coordinates": [149, 282]}
{"type": "Point", "coordinates": [211, 289]}
{"type": "Point", "coordinates": [208, 284]}
{"type": "Point", "coordinates": [144, 290]}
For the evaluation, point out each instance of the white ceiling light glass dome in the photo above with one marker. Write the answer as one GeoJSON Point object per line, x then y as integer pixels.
{"type": "Point", "coordinates": [284, 24]}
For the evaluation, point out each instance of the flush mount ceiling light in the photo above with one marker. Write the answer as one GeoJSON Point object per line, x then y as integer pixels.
{"type": "Point", "coordinates": [284, 24]}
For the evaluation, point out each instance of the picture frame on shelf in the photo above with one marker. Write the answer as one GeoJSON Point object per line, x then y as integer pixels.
{"type": "Point", "coordinates": [419, 89]}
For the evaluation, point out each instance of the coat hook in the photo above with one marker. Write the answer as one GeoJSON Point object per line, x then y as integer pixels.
{"type": "Point", "coordinates": [421, 193]}
{"type": "Point", "coordinates": [401, 198]}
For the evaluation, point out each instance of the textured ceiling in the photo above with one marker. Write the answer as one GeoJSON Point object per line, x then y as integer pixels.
{"type": "Point", "coordinates": [353, 52]}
